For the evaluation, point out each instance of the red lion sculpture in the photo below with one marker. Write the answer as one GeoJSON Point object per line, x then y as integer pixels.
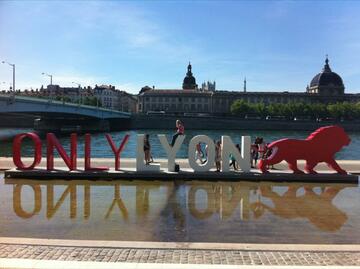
{"type": "Point", "coordinates": [320, 146]}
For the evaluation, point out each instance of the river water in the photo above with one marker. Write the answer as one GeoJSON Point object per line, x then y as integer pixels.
{"type": "Point", "coordinates": [181, 211]}
{"type": "Point", "coordinates": [101, 148]}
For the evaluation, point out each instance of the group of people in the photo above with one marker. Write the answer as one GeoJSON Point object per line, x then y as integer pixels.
{"type": "Point", "coordinates": [202, 155]}
{"type": "Point", "coordinates": [258, 150]}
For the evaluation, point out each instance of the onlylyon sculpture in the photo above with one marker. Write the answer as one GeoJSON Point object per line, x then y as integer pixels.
{"type": "Point", "coordinates": [320, 146]}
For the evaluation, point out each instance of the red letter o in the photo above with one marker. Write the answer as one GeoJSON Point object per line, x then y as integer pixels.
{"type": "Point", "coordinates": [17, 151]}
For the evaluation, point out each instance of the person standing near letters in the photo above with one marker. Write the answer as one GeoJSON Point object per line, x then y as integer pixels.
{"type": "Point", "coordinates": [147, 148]}
{"type": "Point", "coordinates": [218, 156]}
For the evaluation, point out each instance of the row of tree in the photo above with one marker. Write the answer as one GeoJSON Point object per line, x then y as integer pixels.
{"type": "Point", "coordinates": [90, 101]}
{"type": "Point", "coordinates": [339, 111]}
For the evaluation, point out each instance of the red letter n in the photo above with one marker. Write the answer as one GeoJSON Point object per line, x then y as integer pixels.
{"type": "Point", "coordinates": [52, 143]}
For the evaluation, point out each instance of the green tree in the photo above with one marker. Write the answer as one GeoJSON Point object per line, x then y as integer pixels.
{"type": "Point", "coordinates": [336, 110]}
{"type": "Point", "coordinates": [240, 107]}
{"type": "Point", "coordinates": [260, 109]}
{"type": "Point", "coordinates": [318, 110]}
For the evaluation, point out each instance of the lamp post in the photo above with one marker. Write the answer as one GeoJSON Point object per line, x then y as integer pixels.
{"type": "Point", "coordinates": [48, 76]}
{"type": "Point", "coordinates": [45, 74]}
{"type": "Point", "coordinates": [79, 92]}
{"type": "Point", "coordinates": [13, 67]}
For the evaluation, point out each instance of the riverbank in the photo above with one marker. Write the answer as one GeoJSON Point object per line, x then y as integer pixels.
{"type": "Point", "coordinates": [139, 121]}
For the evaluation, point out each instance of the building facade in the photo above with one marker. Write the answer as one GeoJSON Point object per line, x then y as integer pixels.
{"type": "Point", "coordinates": [106, 96]}
{"type": "Point", "coordinates": [325, 87]}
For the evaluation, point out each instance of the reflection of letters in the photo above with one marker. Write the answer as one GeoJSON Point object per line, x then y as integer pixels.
{"type": "Point", "coordinates": [232, 196]}
{"type": "Point", "coordinates": [230, 200]}
{"type": "Point", "coordinates": [86, 201]}
{"type": "Point", "coordinates": [317, 208]}
{"type": "Point", "coordinates": [223, 199]}
{"type": "Point", "coordinates": [51, 209]}
{"type": "Point", "coordinates": [142, 201]}
{"type": "Point", "coordinates": [119, 202]}
{"type": "Point", "coordinates": [210, 208]}
{"type": "Point", "coordinates": [17, 201]}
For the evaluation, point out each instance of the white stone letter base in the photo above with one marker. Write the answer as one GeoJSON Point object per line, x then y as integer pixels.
{"type": "Point", "coordinates": [228, 147]}
{"type": "Point", "coordinates": [140, 157]}
{"type": "Point", "coordinates": [171, 151]}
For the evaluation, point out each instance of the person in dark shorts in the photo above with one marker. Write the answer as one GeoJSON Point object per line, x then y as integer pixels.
{"type": "Point", "coordinates": [147, 149]}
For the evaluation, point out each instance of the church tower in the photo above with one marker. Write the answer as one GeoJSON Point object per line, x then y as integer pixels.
{"type": "Point", "coordinates": [189, 82]}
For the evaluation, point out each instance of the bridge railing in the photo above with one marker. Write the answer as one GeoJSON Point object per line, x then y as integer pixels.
{"type": "Point", "coordinates": [62, 103]}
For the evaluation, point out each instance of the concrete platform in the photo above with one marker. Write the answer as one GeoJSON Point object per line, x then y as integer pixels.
{"type": "Point", "coordinates": [254, 175]}
{"type": "Point", "coordinates": [279, 174]}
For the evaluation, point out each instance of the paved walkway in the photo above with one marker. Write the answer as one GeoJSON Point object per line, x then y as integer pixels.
{"type": "Point", "coordinates": [180, 256]}
{"type": "Point", "coordinates": [178, 253]}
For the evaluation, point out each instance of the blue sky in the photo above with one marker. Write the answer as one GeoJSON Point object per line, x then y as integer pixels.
{"type": "Point", "coordinates": [277, 45]}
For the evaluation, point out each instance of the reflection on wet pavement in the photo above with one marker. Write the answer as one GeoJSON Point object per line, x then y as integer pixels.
{"type": "Point", "coordinates": [181, 211]}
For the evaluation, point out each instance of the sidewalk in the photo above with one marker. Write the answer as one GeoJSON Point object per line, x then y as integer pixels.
{"type": "Point", "coordinates": [39, 253]}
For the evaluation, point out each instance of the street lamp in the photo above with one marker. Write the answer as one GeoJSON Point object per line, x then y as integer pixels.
{"type": "Point", "coordinates": [48, 76]}
{"type": "Point", "coordinates": [79, 91]}
{"type": "Point", "coordinates": [13, 67]}
{"type": "Point", "coordinates": [45, 74]}
{"type": "Point", "coordinates": [79, 85]}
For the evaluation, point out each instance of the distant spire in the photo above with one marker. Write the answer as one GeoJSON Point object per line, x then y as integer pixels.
{"type": "Point", "coordinates": [326, 66]}
{"type": "Point", "coordinates": [189, 68]}
{"type": "Point", "coordinates": [245, 84]}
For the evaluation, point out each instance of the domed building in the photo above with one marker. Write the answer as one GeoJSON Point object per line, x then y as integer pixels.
{"type": "Point", "coordinates": [189, 81]}
{"type": "Point", "coordinates": [326, 82]}
{"type": "Point", "coordinates": [326, 87]}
